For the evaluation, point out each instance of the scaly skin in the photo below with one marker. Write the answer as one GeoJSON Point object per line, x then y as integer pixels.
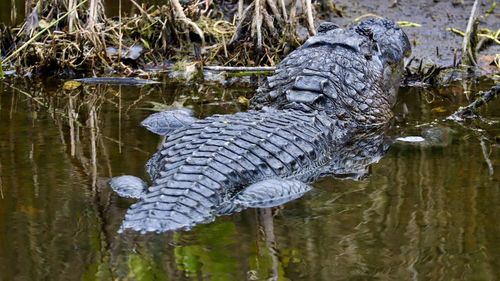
{"type": "Point", "coordinates": [342, 73]}
{"type": "Point", "coordinates": [305, 120]}
{"type": "Point", "coordinates": [207, 163]}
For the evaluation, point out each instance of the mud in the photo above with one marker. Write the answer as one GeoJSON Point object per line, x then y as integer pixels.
{"type": "Point", "coordinates": [432, 42]}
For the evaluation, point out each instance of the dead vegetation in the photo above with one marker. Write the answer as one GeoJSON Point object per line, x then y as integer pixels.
{"type": "Point", "coordinates": [76, 38]}
{"type": "Point", "coordinates": [71, 37]}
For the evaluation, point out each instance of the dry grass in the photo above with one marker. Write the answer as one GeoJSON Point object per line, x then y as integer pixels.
{"type": "Point", "coordinates": [71, 37]}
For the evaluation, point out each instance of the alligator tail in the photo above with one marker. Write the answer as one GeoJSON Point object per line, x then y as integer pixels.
{"type": "Point", "coordinates": [167, 209]}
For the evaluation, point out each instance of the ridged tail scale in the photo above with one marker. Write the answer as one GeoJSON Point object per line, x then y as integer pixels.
{"type": "Point", "coordinates": [210, 161]}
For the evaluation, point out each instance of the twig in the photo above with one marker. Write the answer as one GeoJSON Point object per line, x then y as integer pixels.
{"type": "Point", "coordinates": [268, 19]}
{"type": "Point", "coordinates": [1, 67]}
{"type": "Point", "coordinates": [257, 25]}
{"type": "Point", "coordinates": [470, 38]}
{"type": "Point", "coordinates": [404, 23]}
{"type": "Point", "coordinates": [358, 19]}
{"type": "Point", "coordinates": [240, 10]}
{"type": "Point", "coordinates": [484, 97]}
{"type": "Point", "coordinates": [274, 9]}
{"type": "Point", "coordinates": [310, 20]}
{"type": "Point", "coordinates": [95, 14]}
{"type": "Point", "coordinates": [72, 16]}
{"type": "Point", "coordinates": [144, 13]}
{"type": "Point", "coordinates": [293, 12]}
{"type": "Point", "coordinates": [487, 157]}
{"type": "Point", "coordinates": [484, 33]}
{"type": "Point", "coordinates": [283, 8]}
{"type": "Point", "coordinates": [239, 68]}
{"type": "Point", "coordinates": [207, 6]}
{"type": "Point", "coordinates": [120, 36]}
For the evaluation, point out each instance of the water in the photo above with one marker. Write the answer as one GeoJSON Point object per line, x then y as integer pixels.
{"type": "Point", "coordinates": [424, 213]}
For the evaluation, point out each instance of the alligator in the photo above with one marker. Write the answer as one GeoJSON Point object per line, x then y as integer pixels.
{"type": "Point", "coordinates": [312, 118]}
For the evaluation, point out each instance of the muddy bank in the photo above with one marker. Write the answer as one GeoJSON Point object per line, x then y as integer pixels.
{"type": "Point", "coordinates": [431, 41]}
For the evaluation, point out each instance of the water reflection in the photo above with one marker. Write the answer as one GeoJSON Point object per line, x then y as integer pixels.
{"type": "Point", "coordinates": [424, 212]}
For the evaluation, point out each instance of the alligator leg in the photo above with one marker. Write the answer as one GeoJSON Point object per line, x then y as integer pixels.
{"type": "Point", "coordinates": [265, 194]}
{"type": "Point", "coordinates": [166, 122]}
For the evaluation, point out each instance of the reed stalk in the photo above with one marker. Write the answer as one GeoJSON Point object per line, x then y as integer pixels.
{"type": "Point", "coordinates": [470, 39]}
{"type": "Point", "coordinates": [32, 39]}
{"type": "Point", "coordinates": [1, 67]}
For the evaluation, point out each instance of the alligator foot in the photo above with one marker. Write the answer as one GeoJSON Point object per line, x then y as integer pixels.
{"type": "Point", "coordinates": [166, 122]}
{"type": "Point", "coordinates": [128, 186]}
{"type": "Point", "coordinates": [266, 194]}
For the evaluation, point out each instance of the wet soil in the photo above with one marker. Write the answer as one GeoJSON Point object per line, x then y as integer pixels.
{"type": "Point", "coordinates": [431, 41]}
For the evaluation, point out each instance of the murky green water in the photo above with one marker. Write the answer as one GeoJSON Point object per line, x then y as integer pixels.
{"type": "Point", "coordinates": [424, 213]}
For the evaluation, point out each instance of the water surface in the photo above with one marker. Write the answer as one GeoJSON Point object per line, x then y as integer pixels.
{"type": "Point", "coordinates": [424, 213]}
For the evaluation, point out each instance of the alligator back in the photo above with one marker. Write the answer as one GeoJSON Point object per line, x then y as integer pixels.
{"type": "Point", "coordinates": [339, 83]}
{"type": "Point", "coordinates": [208, 163]}
{"type": "Point", "coordinates": [350, 74]}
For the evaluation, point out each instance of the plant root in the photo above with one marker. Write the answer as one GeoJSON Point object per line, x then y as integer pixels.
{"type": "Point", "coordinates": [269, 30]}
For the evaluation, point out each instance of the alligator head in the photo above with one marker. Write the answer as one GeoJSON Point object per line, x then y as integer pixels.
{"type": "Point", "coordinates": [393, 46]}
{"type": "Point", "coordinates": [350, 74]}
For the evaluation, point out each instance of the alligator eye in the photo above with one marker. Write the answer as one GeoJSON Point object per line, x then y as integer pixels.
{"type": "Point", "coordinates": [326, 26]}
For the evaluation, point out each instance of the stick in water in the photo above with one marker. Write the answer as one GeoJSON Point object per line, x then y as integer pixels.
{"type": "Point", "coordinates": [483, 98]}
{"type": "Point", "coordinates": [240, 68]}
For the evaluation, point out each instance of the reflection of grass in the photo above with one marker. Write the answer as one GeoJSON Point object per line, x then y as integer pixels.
{"type": "Point", "coordinates": [142, 268]}
{"type": "Point", "coordinates": [213, 255]}
{"type": "Point", "coordinates": [1, 68]}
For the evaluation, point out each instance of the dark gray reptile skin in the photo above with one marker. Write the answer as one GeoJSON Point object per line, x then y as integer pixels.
{"type": "Point", "coordinates": [207, 163]}
{"type": "Point", "coordinates": [320, 114]}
